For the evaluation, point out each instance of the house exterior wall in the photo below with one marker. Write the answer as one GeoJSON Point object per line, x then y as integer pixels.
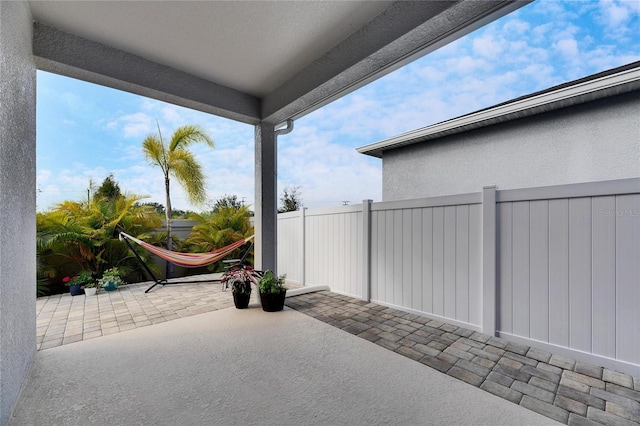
{"type": "Point", "coordinates": [596, 141]}
{"type": "Point", "coordinates": [17, 202]}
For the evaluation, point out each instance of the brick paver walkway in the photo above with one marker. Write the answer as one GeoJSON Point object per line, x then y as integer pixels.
{"type": "Point", "coordinates": [63, 319]}
{"type": "Point", "coordinates": [560, 388]}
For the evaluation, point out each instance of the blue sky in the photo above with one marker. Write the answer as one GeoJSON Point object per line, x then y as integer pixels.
{"type": "Point", "coordinates": [85, 132]}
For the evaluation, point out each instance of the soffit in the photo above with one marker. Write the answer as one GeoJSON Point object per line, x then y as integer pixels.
{"type": "Point", "coordinates": [250, 46]}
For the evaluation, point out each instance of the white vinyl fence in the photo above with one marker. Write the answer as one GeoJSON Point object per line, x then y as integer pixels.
{"type": "Point", "coordinates": [553, 267]}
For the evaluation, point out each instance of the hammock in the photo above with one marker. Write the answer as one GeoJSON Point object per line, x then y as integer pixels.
{"type": "Point", "coordinates": [187, 260]}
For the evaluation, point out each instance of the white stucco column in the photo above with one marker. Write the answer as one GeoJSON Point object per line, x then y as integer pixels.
{"type": "Point", "coordinates": [266, 219]}
{"type": "Point", "coordinates": [266, 203]}
{"type": "Point", "coordinates": [17, 201]}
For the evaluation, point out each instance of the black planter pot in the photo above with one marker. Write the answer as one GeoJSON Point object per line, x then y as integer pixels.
{"type": "Point", "coordinates": [241, 300]}
{"type": "Point", "coordinates": [76, 290]}
{"type": "Point", "coordinates": [272, 302]}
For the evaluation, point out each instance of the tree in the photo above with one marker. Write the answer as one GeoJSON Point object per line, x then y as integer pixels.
{"type": "Point", "coordinates": [291, 199]}
{"type": "Point", "coordinates": [227, 201]}
{"type": "Point", "coordinates": [109, 189]}
{"type": "Point", "coordinates": [156, 206]}
{"type": "Point", "coordinates": [181, 214]}
{"type": "Point", "coordinates": [175, 160]}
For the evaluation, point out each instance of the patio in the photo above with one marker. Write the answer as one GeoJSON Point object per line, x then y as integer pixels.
{"type": "Point", "coordinates": [62, 319]}
{"type": "Point", "coordinates": [177, 332]}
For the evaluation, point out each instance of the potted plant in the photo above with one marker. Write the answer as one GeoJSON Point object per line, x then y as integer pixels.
{"type": "Point", "coordinates": [90, 289]}
{"type": "Point", "coordinates": [272, 291]}
{"type": "Point", "coordinates": [76, 282]}
{"type": "Point", "coordinates": [110, 280]}
{"type": "Point", "coordinates": [240, 277]}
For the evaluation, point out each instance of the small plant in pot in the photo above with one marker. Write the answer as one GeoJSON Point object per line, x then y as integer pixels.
{"type": "Point", "coordinates": [272, 291]}
{"type": "Point", "coordinates": [90, 289]}
{"type": "Point", "coordinates": [110, 280]}
{"type": "Point", "coordinates": [239, 278]}
{"type": "Point", "coordinates": [76, 282]}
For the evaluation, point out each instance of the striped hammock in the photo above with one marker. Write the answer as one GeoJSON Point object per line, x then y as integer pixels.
{"type": "Point", "coordinates": [188, 260]}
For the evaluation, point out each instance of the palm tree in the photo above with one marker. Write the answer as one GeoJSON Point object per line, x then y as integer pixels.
{"type": "Point", "coordinates": [175, 160]}
{"type": "Point", "coordinates": [83, 236]}
{"type": "Point", "coordinates": [218, 229]}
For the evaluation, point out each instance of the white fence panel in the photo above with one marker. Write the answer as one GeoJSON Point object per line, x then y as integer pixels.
{"type": "Point", "coordinates": [569, 273]}
{"type": "Point", "coordinates": [627, 281]}
{"type": "Point", "coordinates": [333, 248]}
{"type": "Point", "coordinates": [429, 260]}
{"type": "Point", "coordinates": [290, 232]}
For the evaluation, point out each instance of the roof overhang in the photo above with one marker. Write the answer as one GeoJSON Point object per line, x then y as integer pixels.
{"type": "Point", "coordinates": [207, 55]}
{"type": "Point", "coordinates": [609, 83]}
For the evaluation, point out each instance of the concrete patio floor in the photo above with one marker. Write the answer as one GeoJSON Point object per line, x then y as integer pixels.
{"type": "Point", "coordinates": [196, 319]}
{"type": "Point", "coordinates": [247, 367]}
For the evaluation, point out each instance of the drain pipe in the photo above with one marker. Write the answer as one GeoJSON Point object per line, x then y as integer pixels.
{"type": "Point", "coordinates": [285, 130]}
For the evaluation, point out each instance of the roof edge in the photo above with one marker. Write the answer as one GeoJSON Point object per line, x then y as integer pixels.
{"type": "Point", "coordinates": [605, 84]}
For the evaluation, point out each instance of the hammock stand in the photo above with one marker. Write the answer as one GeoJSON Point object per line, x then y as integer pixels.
{"type": "Point", "coordinates": [187, 260]}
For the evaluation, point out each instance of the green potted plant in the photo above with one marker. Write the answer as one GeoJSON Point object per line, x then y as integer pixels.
{"type": "Point", "coordinates": [90, 288]}
{"type": "Point", "coordinates": [239, 278]}
{"type": "Point", "coordinates": [76, 282]}
{"type": "Point", "coordinates": [110, 280]}
{"type": "Point", "coordinates": [272, 291]}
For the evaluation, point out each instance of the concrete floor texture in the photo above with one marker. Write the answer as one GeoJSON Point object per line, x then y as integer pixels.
{"type": "Point", "coordinates": [327, 359]}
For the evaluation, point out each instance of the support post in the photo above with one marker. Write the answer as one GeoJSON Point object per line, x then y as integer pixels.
{"type": "Point", "coordinates": [489, 260]}
{"type": "Point", "coordinates": [366, 250]}
{"type": "Point", "coordinates": [266, 218]}
{"type": "Point", "coordinates": [266, 197]}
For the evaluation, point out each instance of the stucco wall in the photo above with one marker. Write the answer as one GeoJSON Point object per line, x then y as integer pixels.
{"type": "Point", "coordinates": [17, 201]}
{"type": "Point", "coordinates": [595, 141]}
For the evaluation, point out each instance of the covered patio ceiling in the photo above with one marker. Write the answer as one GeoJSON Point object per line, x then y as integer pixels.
{"type": "Point", "coordinates": [251, 61]}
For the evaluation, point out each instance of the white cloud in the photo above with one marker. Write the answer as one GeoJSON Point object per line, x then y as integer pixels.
{"type": "Point", "coordinates": [432, 74]}
{"type": "Point", "coordinates": [614, 14]}
{"type": "Point", "coordinates": [487, 46]}
{"type": "Point", "coordinates": [516, 27]}
{"type": "Point", "coordinates": [129, 152]}
{"type": "Point", "coordinates": [135, 125]}
{"type": "Point", "coordinates": [539, 76]}
{"type": "Point", "coordinates": [540, 32]}
{"type": "Point", "coordinates": [171, 116]}
{"type": "Point", "coordinates": [465, 65]}
{"type": "Point", "coordinates": [568, 48]}
{"type": "Point", "coordinates": [620, 19]}
{"type": "Point", "coordinates": [564, 30]}
{"type": "Point", "coordinates": [327, 172]}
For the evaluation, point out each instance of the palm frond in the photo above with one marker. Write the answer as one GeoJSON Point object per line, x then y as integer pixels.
{"type": "Point", "coordinates": [155, 153]}
{"type": "Point", "coordinates": [187, 135]}
{"type": "Point", "coordinates": [186, 169]}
